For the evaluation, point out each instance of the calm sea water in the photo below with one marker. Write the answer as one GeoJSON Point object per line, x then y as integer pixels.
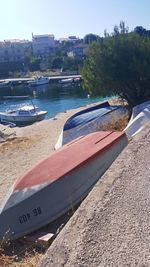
{"type": "Point", "coordinates": [53, 98]}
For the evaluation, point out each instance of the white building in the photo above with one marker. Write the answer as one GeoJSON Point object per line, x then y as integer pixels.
{"type": "Point", "coordinates": [14, 50]}
{"type": "Point", "coordinates": [43, 44]}
{"type": "Point", "coordinates": [70, 39]}
{"type": "Point", "coordinates": [80, 50]}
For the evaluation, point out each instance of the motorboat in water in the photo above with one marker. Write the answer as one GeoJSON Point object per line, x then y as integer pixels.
{"type": "Point", "coordinates": [58, 182]}
{"type": "Point", "coordinates": [88, 120]}
{"type": "Point", "coordinates": [4, 84]}
{"type": "Point", "coordinates": [70, 81]}
{"type": "Point", "coordinates": [66, 81]}
{"type": "Point", "coordinates": [40, 80]}
{"type": "Point", "coordinates": [23, 115]}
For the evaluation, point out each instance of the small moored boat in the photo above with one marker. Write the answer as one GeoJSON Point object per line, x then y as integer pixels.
{"type": "Point", "coordinates": [58, 182]}
{"type": "Point", "coordinates": [23, 115]}
{"type": "Point", "coordinates": [41, 80]}
{"type": "Point", "coordinates": [66, 81]}
{"type": "Point", "coordinates": [4, 83]}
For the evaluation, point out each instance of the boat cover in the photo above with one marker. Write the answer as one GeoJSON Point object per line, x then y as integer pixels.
{"type": "Point", "coordinates": [87, 115]}
{"type": "Point", "coordinates": [88, 120]}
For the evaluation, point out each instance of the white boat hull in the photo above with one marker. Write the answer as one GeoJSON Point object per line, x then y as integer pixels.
{"type": "Point", "coordinates": [22, 119]}
{"type": "Point", "coordinates": [139, 119]}
{"type": "Point", "coordinates": [30, 208]}
{"type": "Point", "coordinates": [39, 81]}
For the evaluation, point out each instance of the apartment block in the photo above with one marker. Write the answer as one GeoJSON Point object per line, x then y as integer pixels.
{"type": "Point", "coordinates": [42, 44]}
{"type": "Point", "coordinates": [14, 50]}
{"type": "Point", "coordinates": [80, 50]}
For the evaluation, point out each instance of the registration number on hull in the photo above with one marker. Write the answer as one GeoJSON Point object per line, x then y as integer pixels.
{"type": "Point", "coordinates": [24, 218]}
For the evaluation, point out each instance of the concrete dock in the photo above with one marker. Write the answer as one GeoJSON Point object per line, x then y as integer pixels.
{"type": "Point", "coordinates": [112, 225]}
{"type": "Point", "coordinates": [51, 79]}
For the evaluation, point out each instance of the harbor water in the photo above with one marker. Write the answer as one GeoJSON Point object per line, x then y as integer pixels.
{"type": "Point", "coordinates": [52, 98]}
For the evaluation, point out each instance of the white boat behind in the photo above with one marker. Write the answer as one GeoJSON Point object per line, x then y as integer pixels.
{"type": "Point", "coordinates": [40, 80]}
{"type": "Point", "coordinates": [139, 119]}
{"type": "Point", "coordinates": [23, 115]}
{"type": "Point", "coordinates": [58, 182]}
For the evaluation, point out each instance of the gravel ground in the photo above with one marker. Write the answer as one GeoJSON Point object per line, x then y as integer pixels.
{"type": "Point", "coordinates": [112, 225]}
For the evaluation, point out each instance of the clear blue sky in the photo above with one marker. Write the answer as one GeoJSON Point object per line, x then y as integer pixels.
{"type": "Point", "coordinates": [20, 18]}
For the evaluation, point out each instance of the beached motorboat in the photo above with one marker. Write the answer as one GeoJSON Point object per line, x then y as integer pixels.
{"type": "Point", "coordinates": [41, 80]}
{"type": "Point", "coordinates": [58, 182]}
{"type": "Point", "coordinates": [23, 115]}
{"type": "Point", "coordinates": [90, 120]}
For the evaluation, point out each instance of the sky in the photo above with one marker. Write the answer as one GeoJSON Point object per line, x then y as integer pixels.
{"type": "Point", "coordinates": [63, 18]}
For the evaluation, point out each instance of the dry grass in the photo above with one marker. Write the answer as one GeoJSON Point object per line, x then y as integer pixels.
{"type": "Point", "coordinates": [24, 253]}
{"type": "Point", "coordinates": [18, 143]}
{"type": "Point", "coordinates": [118, 101]}
{"type": "Point", "coordinates": [20, 254]}
{"type": "Point", "coordinates": [115, 125]}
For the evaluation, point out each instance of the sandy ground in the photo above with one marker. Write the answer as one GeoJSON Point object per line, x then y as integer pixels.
{"type": "Point", "coordinates": [25, 146]}
{"type": "Point", "coordinates": [111, 228]}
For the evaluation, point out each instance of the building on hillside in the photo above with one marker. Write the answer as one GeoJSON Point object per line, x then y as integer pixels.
{"type": "Point", "coordinates": [80, 51]}
{"type": "Point", "coordinates": [43, 44]}
{"type": "Point", "coordinates": [14, 50]}
{"type": "Point", "coordinates": [73, 39]}
{"type": "Point", "coordinates": [70, 39]}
